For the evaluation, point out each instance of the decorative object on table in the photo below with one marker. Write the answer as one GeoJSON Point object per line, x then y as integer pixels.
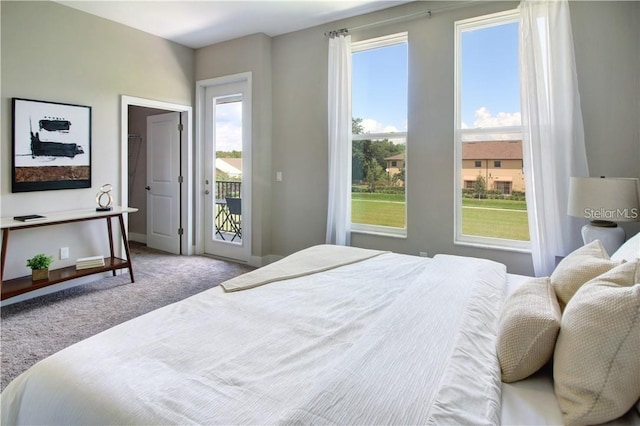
{"type": "Point", "coordinates": [39, 265]}
{"type": "Point", "coordinates": [89, 262]}
{"type": "Point", "coordinates": [104, 198]}
{"type": "Point", "coordinates": [51, 146]}
{"type": "Point", "coordinates": [29, 218]}
{"type": "Point", "coordinates": [604, 201]}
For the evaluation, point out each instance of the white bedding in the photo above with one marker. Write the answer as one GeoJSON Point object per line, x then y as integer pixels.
{"type": "Point", "coordinates": [393, 339]}
{"type": "Point", "coordinates": [378, 332]}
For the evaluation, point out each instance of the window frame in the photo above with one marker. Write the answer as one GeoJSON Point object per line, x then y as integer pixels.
{"type": "Point", "coordinates": [461, 26]}
{"type": "Point", "coordinates": [362, 228]}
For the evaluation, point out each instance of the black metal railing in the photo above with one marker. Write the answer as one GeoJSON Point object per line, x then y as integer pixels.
{"type": "Point", "coordinates": [228, 188]}
{"type": "Point", "coordinates": [223, 219]}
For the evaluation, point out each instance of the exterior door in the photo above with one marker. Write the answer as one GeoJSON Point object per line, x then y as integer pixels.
{"type": "Point", "coordinates": [227, 167]}
{"type": "Point", "coordinates": [163, 182]}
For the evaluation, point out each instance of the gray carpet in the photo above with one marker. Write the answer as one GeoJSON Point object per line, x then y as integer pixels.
{"type": "Point", "coordinates": [36, 328]}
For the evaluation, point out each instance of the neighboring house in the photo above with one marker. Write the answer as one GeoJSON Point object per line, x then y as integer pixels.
{"type": "Point", "coordinates": [232, 167]}
{"type": "Point", "coordinates": [395, 164]}
{"type": "Point", "coordinates": [498, 162]}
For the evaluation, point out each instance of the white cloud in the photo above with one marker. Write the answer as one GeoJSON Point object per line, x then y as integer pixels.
{"type": "Point", "coordinates": [484, 118]}
{"type": "Point", "coordinates": [229, 127]}
{"type": "Point", "coordinates": [372, 126]}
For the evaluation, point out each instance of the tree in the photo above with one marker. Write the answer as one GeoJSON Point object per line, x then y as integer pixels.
{"type": "Point", "coordinates": [480, 187]}
{"type": "Point", "coordinates": [368, 156]}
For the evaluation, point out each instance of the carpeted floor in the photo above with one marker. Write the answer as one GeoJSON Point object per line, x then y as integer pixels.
{"type": "Point", "coordinates": [36, 328]}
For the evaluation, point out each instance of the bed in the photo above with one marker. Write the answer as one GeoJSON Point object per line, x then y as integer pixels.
{"type": "Point", "coordinates": [328, 335]}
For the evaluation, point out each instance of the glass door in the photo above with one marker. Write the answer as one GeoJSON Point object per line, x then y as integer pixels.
{"type": "Point", "coordinates": [227, 172]}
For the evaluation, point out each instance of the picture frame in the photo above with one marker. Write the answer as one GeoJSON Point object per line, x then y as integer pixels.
{"type": "Point", "coordinates": [51, 145]}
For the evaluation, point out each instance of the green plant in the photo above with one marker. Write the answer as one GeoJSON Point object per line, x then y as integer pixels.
{"type": "Point", "coordinates": [40, 261]}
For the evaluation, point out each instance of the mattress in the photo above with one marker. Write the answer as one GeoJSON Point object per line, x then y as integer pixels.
{"type": "Point", "coordinates": [388, 339]}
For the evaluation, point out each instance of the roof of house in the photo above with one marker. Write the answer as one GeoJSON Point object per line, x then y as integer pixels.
{"type": "Point", "coordinates": [492, 150]}
{"type": "Point", "coordinates": [396, 157]}
{"type": "Point", "coordinates": [232, 166]}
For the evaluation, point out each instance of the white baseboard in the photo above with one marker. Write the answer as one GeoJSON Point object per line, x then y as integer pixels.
{"type": "Point", "coordinates": [138, 238]}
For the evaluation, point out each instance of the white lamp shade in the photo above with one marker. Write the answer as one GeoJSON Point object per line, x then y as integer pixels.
{"type": "Point", "coordinates": [605, 199]}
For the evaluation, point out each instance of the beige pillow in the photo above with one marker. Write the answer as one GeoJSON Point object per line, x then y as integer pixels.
{"type": "Point", "coordinates": [578, 267]}
{"type": "Point", "coordinates": [596, 367]}
{"type": "Point", "coordinates": [528, 328]}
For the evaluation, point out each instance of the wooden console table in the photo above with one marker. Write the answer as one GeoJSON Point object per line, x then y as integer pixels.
{"type": "Point", "coordinates": [16, 286]}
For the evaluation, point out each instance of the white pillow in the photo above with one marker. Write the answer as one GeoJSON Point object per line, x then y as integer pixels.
{"type": "Point", "coordinates": [629, 250]}
{"type": "Point", "coordinates": [596, 367]}
{"type": "Point", "coordinates": [578, 267]}
{"type": "Point", "coordinates": [528, 328]}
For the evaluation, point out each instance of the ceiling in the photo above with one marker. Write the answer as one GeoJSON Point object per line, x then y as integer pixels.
{"type": "Point", "coordinates": [203, 22]}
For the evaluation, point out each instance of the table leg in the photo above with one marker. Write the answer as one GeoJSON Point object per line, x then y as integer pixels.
{"type": "Point", "coordinates": [110, 231]}
{"type": "Point", "coordinates": [123, 231]}
{"type": "Point", "coordinates": [5, 241]}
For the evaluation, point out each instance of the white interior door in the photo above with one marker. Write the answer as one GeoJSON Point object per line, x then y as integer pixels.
{"type": "Point", "coordinates": [227, 169]}
{"type": "Point", "coordinates": [163, 182]}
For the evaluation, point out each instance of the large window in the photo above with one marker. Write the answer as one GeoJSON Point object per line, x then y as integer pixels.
{"type": "Point", "coordinates": [379, 107]}
{"type": "Point", "coordinates": [490, 200]}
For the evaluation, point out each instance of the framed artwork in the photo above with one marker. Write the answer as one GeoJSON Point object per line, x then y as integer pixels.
{"type": "Point", "coordinates": [51, 146]}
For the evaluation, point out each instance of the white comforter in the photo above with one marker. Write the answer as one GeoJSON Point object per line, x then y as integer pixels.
{"type": "Point", "coordinates": [392, 339]}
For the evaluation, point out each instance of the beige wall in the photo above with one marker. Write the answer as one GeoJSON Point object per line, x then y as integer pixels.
{"type": "Point", "coordinates": [607, 37]}
{"type": "Point", "coordinates": [251, 53]}
{"type": "Point", "coordinates": [55, 53]}
{"type": "Point", "coordinates": [510, 170]}
{"type": "Point", "coordinates": [103, 60]}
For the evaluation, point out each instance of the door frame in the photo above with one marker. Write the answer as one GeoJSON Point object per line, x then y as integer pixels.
{"type": "Point", "coordinates": [186, 208]}
{"type": "Point", "coordinates": [201, 86]}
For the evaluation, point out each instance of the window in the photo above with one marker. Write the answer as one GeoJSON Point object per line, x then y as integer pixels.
{"type": "Point", "coordinates": [490, 203]}
{"type": "Point", "coordinates": [379, 147]}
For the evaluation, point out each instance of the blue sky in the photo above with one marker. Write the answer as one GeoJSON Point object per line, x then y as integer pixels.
{"type": "Point", "coordinates": [490, 86]}
{"type": "Point", "coordinates": [489, 81]}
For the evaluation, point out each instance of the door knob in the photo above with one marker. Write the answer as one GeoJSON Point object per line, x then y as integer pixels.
{"type": "Point", "coordinates": [148, 188]}
{"type": "Point", "coordinates": [206, 192]}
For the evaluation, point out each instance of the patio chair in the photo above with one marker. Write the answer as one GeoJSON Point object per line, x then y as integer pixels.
{"type": "Point", "coordinates": [235, 216]}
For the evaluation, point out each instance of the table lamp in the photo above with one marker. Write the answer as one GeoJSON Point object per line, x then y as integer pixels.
{"type": "Point", "coordinates": [604, 201]}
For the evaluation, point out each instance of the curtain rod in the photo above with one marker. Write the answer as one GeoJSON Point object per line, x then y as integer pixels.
{"type": "Point", "coordinates": [428, 13]}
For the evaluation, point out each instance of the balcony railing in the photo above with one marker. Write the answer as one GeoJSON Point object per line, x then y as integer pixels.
{"type": "Point", "coordinates": [228, 188]}
{"type": "Point", "coordinates": [224, 227]}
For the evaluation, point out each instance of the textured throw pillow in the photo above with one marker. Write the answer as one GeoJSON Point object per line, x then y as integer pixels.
{"type": "Point", "coordinates": [596, 367]}
{"type": "Point", "coordinates": [578, 267]}
{"type": "Point", "coordinates": [528, 328]}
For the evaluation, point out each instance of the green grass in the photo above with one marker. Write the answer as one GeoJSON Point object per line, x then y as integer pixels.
{"type": "Point", "coordinates": [496, 204]}
{"type": "Point", "coordinates": [510, 224]}
{"type": "Point", "coordinates": [487, 218]}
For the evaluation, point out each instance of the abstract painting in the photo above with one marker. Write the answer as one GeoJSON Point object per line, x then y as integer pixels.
{"type": "Point", "coordinates": [51, 146]}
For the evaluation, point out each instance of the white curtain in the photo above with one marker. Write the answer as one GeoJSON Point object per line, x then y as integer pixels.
{"type": "Point", "coordinates": [553, 134]}
{"type": "Point", "coordinates": [339, 132]}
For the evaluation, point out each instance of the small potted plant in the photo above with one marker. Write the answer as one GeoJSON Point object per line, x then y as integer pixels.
{"type": "Point", "coordinates": [39, 265]}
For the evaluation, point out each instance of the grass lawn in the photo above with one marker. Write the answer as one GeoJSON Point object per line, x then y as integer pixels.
{"type": "Point", "coordinates": [378, 209]}
{"type": "Point", "coordinates": [488, 218]}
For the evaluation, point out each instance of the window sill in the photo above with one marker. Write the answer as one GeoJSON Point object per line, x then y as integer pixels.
{"type": "Point", "coordinates": [380, 231]}
{"type": "Point", "coordinates": [492, 246]}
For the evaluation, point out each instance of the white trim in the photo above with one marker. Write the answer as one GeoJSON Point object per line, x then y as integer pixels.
{"type": "Point", "coordinates": [137, 237]}
{"type": "Point", "coordinates": [187, 156]}
{"type": "Point", "coordinates": [384, 41]}
{"type": "Point", "coordinates": [476, 23]}
{"type": "Point", "coordinates": [377, 136]}
{"type": "Point", "coordinates": [201, 86]}
{"type": "Point", "coordinates": [362, 228]}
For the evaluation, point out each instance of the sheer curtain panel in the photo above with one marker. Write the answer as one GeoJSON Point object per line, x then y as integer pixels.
{"type": "Point", "coordinates": [339, 135]}
{"type": "Point", "coordinates": [553, 134]}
